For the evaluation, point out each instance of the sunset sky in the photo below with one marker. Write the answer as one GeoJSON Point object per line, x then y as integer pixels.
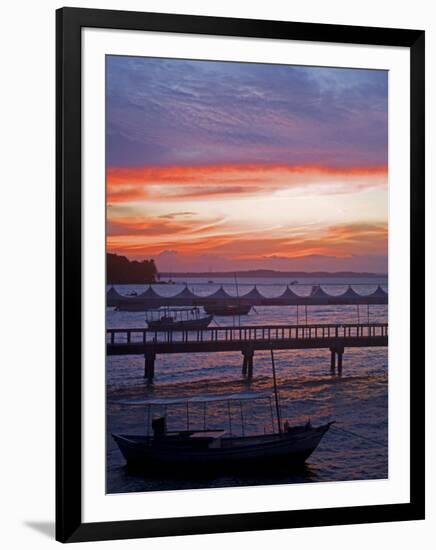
{"type": "Point", "coordinates": [228, 166]}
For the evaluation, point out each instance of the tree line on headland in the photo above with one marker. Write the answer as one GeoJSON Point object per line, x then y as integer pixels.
{"type": "Point", "coordinates": [122, 271]}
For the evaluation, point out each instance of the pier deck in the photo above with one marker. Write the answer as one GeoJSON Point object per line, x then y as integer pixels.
{"type": "Point", "coordinates": [245, 339]}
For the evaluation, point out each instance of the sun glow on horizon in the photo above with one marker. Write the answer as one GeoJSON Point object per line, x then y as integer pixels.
{"type": "Point", "coordinates": [200, 173]}
{"type": "Point", "coordinates": [276, 212]}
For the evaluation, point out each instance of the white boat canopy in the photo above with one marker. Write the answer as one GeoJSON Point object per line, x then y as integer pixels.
{"type": "Point", "coordinates": [242, 396]}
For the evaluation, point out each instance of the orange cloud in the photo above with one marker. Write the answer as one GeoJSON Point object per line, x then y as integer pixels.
{"type": "Point", "coordinates": [339, 241]}
{"type": "Point", "coordinates": [161, 226]}
{"type": "Point", "coordinates": [199, 182]}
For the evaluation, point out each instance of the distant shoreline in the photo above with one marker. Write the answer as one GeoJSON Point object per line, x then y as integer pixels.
{"type": "Point", "coordinates": [273, 274]}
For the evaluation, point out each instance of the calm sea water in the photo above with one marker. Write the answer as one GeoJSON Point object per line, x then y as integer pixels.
{"type": "Point", "coordinates": [357, 401]}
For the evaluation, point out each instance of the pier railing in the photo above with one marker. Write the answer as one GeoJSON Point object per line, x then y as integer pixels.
{"type": "Point", "coordinates": [246, 334]}
{"type": "Point", "coordinates": [245, 339]}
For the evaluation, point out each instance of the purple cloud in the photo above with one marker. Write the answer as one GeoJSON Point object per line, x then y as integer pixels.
{"type": "Point", "coordinates": [165, 112]}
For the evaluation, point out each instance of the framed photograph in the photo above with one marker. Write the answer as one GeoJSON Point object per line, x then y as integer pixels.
{"type": "Point", "coordinates": [240, 274]}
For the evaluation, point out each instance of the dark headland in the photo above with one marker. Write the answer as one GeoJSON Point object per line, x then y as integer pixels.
{"type": "Point", "coordinates": [122, 271]}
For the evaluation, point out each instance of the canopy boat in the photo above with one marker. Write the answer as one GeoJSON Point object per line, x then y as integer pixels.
{"type": "Point", "coordinates": [224, 307]}
{"type": "Point", "coordinates": [213, 448]}
{"type": "Point", "coordinates": [205, 450]}
{"type": "Point", "coordinates": [227, 309]}
{"type": "Point", "coordinates": [134, 305]}
{"type": "Point", "coordinates": [177, 319]}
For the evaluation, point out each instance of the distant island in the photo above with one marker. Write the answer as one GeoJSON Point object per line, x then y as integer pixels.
{"type": "Point", "coordinates": [271, 273]}
{"type": "Point", "coordinates": [122, 271]}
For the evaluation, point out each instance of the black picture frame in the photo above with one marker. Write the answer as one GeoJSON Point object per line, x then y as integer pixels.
{"type": "Point", "coordinates": [69, 525]}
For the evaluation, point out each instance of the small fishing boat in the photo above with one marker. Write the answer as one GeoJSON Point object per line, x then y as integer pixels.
{"type": "Point", "coordinates": [177, 319]}
{"type": "Point", "coordinates": [227, 309]}
{"type": "Point", "coordinates": [133, 306]}
{"type": "Point", "coordinates": [209, 448]}
{"type": "Point", "coordinates": [206, 450]}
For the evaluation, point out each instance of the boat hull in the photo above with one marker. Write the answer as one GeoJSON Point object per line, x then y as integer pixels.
{"type": "Point", "coordinates": [192, 324]}
{"type": "Point", "coordinates": [227, 311]}
{"type": "Point", "coordinates": [228, 453]}
{"type": "Point", "coordinates": [134, 306]}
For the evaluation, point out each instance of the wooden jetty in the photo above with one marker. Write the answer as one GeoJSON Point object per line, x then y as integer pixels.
{"type": "Point", "coordinates": [247, 340]}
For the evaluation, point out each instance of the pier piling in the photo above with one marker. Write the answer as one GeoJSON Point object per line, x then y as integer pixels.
{"type": "Point", "coordinates": [332, 360]}
{"type": "Point", "coordinates": [336, 358]}
{"type": "Point", "coordinates": [340, 355]}
{"type": "Point", "coordinates": [150, 359]}
{"type": "Point", "coordinates": [250, 365]}
{"type": "Point", "coordinates": [247, 363]}
{"type": "Point", "coordinates": [244, 365]}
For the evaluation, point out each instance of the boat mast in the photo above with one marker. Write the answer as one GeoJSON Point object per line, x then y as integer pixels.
{"type": "Point", "coordinates": [230, 417]}
{"type": "Point", "coordinates": [237, 296]}
{"type": "Point", "coordinates": [148, 420]}
{"type": "Point", "coordinates": [276, 395]}
{"type": "Point", "coordinates": [242, 419]}
{"type": "Point", "coordinates": [272, 415]}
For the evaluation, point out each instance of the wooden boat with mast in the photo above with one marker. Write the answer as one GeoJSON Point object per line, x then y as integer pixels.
{"type": "Point", "coordinates": [205, 449]}
{"type": "Point", "coordinates": [226, 308]}
{"type": "Point", "coordinates": [221, 310]}
{"type": "Point", "coordinates": [182, 318]}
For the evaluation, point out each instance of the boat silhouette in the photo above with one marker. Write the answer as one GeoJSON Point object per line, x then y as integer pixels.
{"type": "Point", "coordinates": [227, 309]}
{"type": "Point", "coordinates": [188, 449]}
{"type": "Point", "coordinates": [203, 450]}
{"type": "Point", "coordinates": [177, 319]}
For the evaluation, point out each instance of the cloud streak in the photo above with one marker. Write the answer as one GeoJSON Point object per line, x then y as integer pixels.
{"type": "Point", "coordinates": [199, 182]}
{"type": "Point", "coordinates": [341, 241]}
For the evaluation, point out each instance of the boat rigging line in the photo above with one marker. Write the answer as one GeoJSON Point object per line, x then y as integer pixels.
{"type": "Point", "coordinates": [276, 396]}
{"type": "Point", "coordinates": [361, 436]}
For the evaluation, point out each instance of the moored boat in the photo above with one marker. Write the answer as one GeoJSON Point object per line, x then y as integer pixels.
{"type": "Point", "coordinates": [227, 309]}
{"type": "Point", "coordinates": [133, 306]}
{"type": "Point", "coordinates": [205, 448]}
{"type": "Point", "coordinates": [177, 319]}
